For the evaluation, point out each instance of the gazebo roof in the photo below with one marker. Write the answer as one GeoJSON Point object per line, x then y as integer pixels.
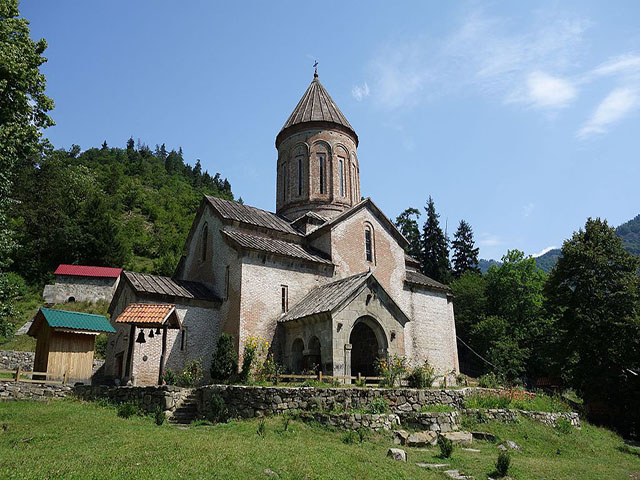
{"type": "Point", "coordinates": [64, 319]}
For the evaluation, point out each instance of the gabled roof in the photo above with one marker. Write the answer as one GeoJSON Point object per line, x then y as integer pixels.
{"type": "Point", "coordinates": [65, 319]}
{"type": "Point", "coordinates": [271, 245]}
{"type": "Point", "coordinates": [418, 278]}
{"type": "Point", "coordinates": [316, 105]}
{"type": "Point", "coordinates": [143, 283]}
{"type": "Point", "coordinates": [238, 212]}
{"type": "Point", "coordinates": [331, 296]}
{"type": "Point", "coordinates": [87, 271]}
{"type": "Point", "coordinates": [367, 202]}
{"type": "Point", "coordinates": [150, 314]}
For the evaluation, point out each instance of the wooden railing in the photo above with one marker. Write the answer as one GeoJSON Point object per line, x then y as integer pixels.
{"type": "Point", "coordinates": [18, 373]}
{"type": "Point", "coordinates": [328, 378]}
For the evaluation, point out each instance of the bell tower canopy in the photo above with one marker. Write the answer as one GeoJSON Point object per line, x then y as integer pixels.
{"type": "Point", "coordinates": [316, 108]}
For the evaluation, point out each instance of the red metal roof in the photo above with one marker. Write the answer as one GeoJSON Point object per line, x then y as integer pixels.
{"type": "Point", "coordinates": [87, 271]}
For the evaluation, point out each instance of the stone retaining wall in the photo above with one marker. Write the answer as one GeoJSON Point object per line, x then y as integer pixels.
{"type": "Point", "coordinates": [512, 416]}
{"type": "Point", "coordinates": [434, 421]}
{"type": "Point", "coordinates": [354, 421]}
{"type": "Point", "coordinates": [249, 401]}
{"type": "Point", "coordinates": [10, 360]}
{"type": "Point", "coordinates": [32, 391]}
{"type": "Point", "coordinates": [147, 399]}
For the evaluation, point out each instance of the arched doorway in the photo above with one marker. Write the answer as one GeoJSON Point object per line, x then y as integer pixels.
{"type": "Point", "coordinates": [314, 357]}
{"type": "Point", "coordinates": [297, 350]}
{"type": "Point", "coordinates": [368, 342]}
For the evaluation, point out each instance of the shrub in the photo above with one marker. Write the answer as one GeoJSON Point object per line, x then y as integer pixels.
{"type": "Point", "coordinates": [360, 383]}
{"type": "Point", "coordinates": [169, 377]}
{"type": "Point", "coordinates": [446, 446]}
{"type": "Point", "coordinates": [564, 426]}
{"type": "Point", "coordinates": [502, 465]}
{"type": "Point", "coordinates": [421, 376]}
{"type": "Point", "coordinates": [191, 375]}
{"type": "Point", "coordinates": [363, 434]}
{"type": "Point", "coordinates": [159, 416]}
{"type": "Point", "coordinates": [217, 410]}
{"type": "Point", "coordinates": [262, 430]}
{"type": "Point", "coordinates": [378, 405]}
{"type": "Point", "coordinates": [490, 380]}
{"type": "Point", "coordinates": [350, 437]}
{"type": "Point", "coordinates": [200, 423]}
{"type": "Point", "coordinates": [126, 410]}
{"type": "Point", "coordinates": [255, 349]}
{"type": "Point", "coordinates": [224, 363]}
{"type": "Point", "coordinates": [392, 369]}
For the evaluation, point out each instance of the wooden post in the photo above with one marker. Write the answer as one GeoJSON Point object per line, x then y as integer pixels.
{"type": "Point", "coordinates": [162, 355]}
{"type": "Point", "coordinates": [359, 377]}
{"type": "Point", "coordinates": [65, 379]}
{"type": "Point", "coordinates": [18, 372]}
{"type": "Point", "coordinates": [319, 375]}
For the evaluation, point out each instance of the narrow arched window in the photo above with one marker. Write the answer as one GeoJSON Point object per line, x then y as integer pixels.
{"type": "Point", "coordinates": [368, 244]}
{"type": "Point", "coordinates": [205, 238]}
{"type": "Point", "coordinates": [341, 176]}
{"type": "Point", "coordinates": [321, 176]}
{"type": "Point", "coordinates": [299, 176]}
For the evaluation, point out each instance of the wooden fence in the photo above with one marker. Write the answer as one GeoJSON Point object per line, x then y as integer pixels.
{"type": "Point", "coordinates": [328, 378]}
{"type": "Point", "coordinates": [18, 375]}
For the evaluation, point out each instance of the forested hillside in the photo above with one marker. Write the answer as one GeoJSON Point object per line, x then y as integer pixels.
{"type": "Point", "coordinates": [129, 207]}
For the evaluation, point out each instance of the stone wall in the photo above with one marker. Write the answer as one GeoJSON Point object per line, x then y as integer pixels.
{"type": "Point", "coordinates": [10, 360]}
{"type": "Point", "coordinates": [434, 421]}
{"type": "Point", "coordinates": [32, 391]}
{"type": "Point", "coordinates": [147, 399]}
{"type": "Point", "coordinates": [512, 416]}
{"type": "Point", "coordinates": [82, 289]}
{"type": "Point", "coordinates": [354, 421]}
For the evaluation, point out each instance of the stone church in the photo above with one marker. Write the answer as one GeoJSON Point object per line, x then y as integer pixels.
{"type": "Point", "coordinates": [324, 279]}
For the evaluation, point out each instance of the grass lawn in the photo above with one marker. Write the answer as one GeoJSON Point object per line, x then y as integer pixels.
{"type": "Point", "coordinates": [67, 438]}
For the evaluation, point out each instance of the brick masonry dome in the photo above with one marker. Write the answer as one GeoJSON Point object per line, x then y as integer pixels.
{"type": "Point", "coordinates": [317, 166]}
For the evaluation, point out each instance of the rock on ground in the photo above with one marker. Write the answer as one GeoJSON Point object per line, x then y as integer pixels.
{"type": "Point", "coordinates": [422, 439]}
{"type": "Point", "coordinates": [459, 438]}
{"type": "Point", "coordinates": [400, 437]}
{"type": "Point", "coordinates": [397, 454]}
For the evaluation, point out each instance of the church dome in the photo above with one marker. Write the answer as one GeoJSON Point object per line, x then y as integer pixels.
{"type": "Point", "coordinates": [315, 108]}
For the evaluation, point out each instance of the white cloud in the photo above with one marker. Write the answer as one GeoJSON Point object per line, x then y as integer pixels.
{"type": "Point", "coordinates": [543, 251]}
{"type": "Point", "coordinates": [528, 209]}
{"type": "Point", "coordinates": [623, 64]}
{"type": "Point", "coordinates": [615, 106]}
{"type": "Point", "coordinates": [547, 91]}
{"type": "Point", "coordinates": [489, 240]}
{"type": "Point", "coordinates": [360, 92]}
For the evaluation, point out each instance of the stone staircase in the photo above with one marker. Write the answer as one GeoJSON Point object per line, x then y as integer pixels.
{"type": "Point", "coordinates": [187, 410]}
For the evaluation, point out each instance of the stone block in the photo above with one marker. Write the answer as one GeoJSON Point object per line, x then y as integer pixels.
{"type": "Point", "coordinates": [397, 454]}
{"type": "Point", "coordinates": [422, 439]}
{"type": "Point", "coordinates": [459, 438]}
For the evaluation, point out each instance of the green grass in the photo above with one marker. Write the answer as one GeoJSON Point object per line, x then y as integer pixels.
{"type": "Point", "coordinates": [437, 408]}
{"type": "Point", "coordinates": [537, 403]}
{"type": "Point", "coordinates": [64, 439]}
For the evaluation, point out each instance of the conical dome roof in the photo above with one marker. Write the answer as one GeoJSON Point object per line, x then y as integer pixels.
{"type": "Point", "coordinates": [316, 105]}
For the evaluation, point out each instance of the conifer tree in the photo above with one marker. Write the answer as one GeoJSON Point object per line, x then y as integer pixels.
{"type": "Point", "coordinates": [408, 226]}
{"type": "Point", "coordinates": [465, 255]}
{"type": "Point", "coordinates": [434, 259]}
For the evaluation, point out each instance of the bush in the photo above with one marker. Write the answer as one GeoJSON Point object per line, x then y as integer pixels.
{"type": "Point", "coordinates": [350, 437]}
{"type": "Point", "coordinates": [502, 465]}
{"type": "Point", "coordinates": [217, 408]}
{"type": "Point", "coordinates": [255, 349]}
{"type": "Point", "coordinates": [224, 363]}
{"type": "Point", "coordinates": [421, 376]}
{"type": "Point", "coordinates": [126, 410]}
{"type": "Point", "coordinates": [392, 369]}
{"type": "Point", "coordinates": [169, 377]}
{"type": "Point", "coordinates": [191, 375]}
{"type": "Point", "coordinates": [564, 426]}
{"type": "Point", "coordinates": [377, 406]}
{"type": "Point", "coordinates": [262, 430]}
{"type": "Point", "coordinates": [159, 416]}
{"type": "Point", "coordinates": [490, 380]}
{"type": "Point", "coordinates": [446, 446]}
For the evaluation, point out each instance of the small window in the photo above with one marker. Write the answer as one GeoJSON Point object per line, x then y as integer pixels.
{"type": "Point", "coordinates": [183, 339]}
{"type": "Point", "coordinates": [285, 182]}
{"type": "Point", "coordinates": [226, 283]}
{"type": "Point", "coordinates": [368, 246]}
{"type": "Point", "coordinates": [341, 175]}
{"type": "Point", "coordinates": [321, 162]}
{"type": "Point", "coordinates": [205, 238]}
{"type": "Point", "coordinates": [299, 176]}
{"type": "Point", "coordinates": [285, 298]}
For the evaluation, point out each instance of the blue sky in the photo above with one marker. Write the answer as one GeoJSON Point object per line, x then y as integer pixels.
{"type": "Point", "coordinates": [520, 117]}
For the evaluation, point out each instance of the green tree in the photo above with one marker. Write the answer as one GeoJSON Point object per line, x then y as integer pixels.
{"type": "Point", "coordinates": [408, 226]}
{"type": "Point", "coordinates": [23, 107]}
{"type": "Point", "coordinates": [224, 363]}
{"type": "Point", "coordinates": [435, 247]}
{"type": "Point", "coordinates": [469, 292]}
{"type": "Point", "coordinates": [593, 293]}
{"type": "Point", "coordinates": [465, 253]}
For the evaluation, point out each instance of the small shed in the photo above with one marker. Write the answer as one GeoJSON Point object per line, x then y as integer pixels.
{"type": "Point", "coordinates": [65, 342]}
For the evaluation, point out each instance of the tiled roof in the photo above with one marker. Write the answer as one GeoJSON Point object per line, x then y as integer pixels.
{"type": "Point", "coordinates": [73, 320]}
{"type": "Point", "coordinates": [87, 271]}
{"type": "Point", "coordinates": [326, 297]}
{"type": "Point", "coordinates": [152, 314]}
{"type": "Point", "coordinates": [251, 215]}
{"type": "Point", "coordinates": [278, 247]}
{"type": "Point", "coordinates": [316, 105]}
{"type": "Point", "coordinates": [410, 260]}
{"type": "Point", "coordinates": [158, 285]}
{"type": "Point", "coordinates": [420, 279]}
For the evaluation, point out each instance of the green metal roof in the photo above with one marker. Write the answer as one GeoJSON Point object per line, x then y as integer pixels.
{"type": "Point", "coordinates": [77, 320]}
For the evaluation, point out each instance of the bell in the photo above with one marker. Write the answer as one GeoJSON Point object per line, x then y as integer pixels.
{"type": "Point", "coordinates": [140, 338]}
{"type": "Point", "coordinates": [158, 331]}
{"type": "Point", "coordinates": [151, 333]}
